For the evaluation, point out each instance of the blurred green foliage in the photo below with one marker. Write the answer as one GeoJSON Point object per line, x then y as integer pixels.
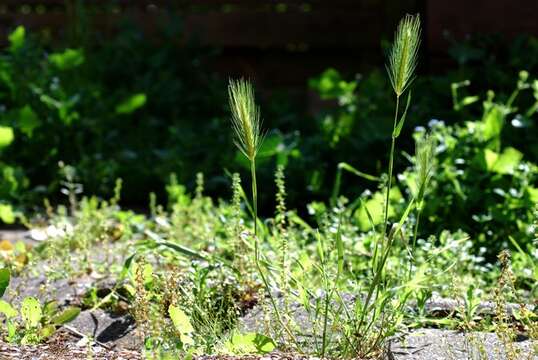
{"type": "Point", "coordinates": [139, 109]}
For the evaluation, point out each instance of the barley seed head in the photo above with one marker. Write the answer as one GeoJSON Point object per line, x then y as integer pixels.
{"type": "Point", "coordinates": [403, 55]}
{"type": "Point", "coordinates": [245, 117]}
{"type": "Point", "coordinates": [424, 162]}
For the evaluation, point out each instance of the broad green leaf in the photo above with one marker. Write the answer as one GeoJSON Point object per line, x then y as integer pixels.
{"type": "Point", "coordinates": [493, 123]}
{"type": "Point", "coordinates": [65, 316]}
{"type": "Point", "coordinates": [249, 343]}
{"type": "Point", "coordinates": [7, 309]}
{"type": "Point", "coordinates": [6, 136]}
{"type": "Point", "coordinates": [50, 308]}
{"type": "Point", "coordinates": [31, 311]}
{"type": "Point", "coordinates": [28, 120]}
{"type": "Point", "coordinates": [68, 59]}
{"type": "Point", "coordinates": [182, 324]}
{"type": "Point", "coordinates": [131, 104]}
{"type": "Point", "coordinates": [508, 161]}
{"type": "Point", "coordinates": [372, 209]}
{"type": "Point", "coordinates": [533, 194]}
{"type": "Point", "coordinates": [16, 38]}
{"type": "Point", "coordinates": [4, 280]}
{"type": "Point", "coordinates": [490, 158]}
{"type": "Point", "coordinates": [6, 214]}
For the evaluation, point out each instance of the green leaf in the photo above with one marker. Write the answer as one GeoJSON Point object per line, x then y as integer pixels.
{"type": "Point", "coordinates": [47, 331]}
{"type": "Point", "coordinates": [131, 104]}
{"type": "Point", "coordinates": [182, 249]}
{"type": "Point", "coordinates": [493, 123]}
{"type": "Point", "coordinates": [68, 59]}
{"type": "Point", "coordinates": [6, 136]}
{"type": "Point", "coordinates": [508, 161]}
{"type": "Point", "coordinates": [398, 128]}
{"type": "Point", "coordinates": [31, 311]}
{"type": "Point", "coordinates": [7, 309]}
{"type": "Point", "coordinates": [354, 171]}
{"type": "Point", "coordinates": [28, 120]}
{"type": "Point", "coordinates": [490, 158]}
{"type": "Point", "coordinates": [372, 209]}
{"type": "Point", "coordinates": [16, 38]}
{"type": "Point", "coordinates": [249, 343]}
{"type": "Point", "coordinates": [468, 100]}
{"type": "Point", "coordinates": [65, 316]}
{"type": "Point", "coordinates": [182, 324]}
{"type": "Point", "coordinates": [6, 214]}
{"type": "Point", "coordinates": [504, 163]}
{"type": "Point", "coordinates": [4, 280]}
{"type": "Point", "coordinates": [532, 193]}
{"type": "Point", "coordinates": [50, 308]}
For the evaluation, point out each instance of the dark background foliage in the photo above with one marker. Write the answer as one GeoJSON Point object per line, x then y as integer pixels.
{"type": "Point", "coordinates": [119, 96]}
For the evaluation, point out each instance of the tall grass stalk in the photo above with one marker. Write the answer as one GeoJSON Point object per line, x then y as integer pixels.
{"type": "Point", "coordinates": [402, 62]}
{"type": "Point", "coordinates": [424, 162]}
{"type": "Point", "coordinates": [401, 67]}
{"type": "Point", "coordinates": [246, 124]}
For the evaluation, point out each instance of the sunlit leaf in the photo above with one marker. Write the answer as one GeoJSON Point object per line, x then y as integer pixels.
{"type": "Point", "coordinates": [65, 316]}
{"type": "Point", "coordinates": [4, 280]}
{"type": "Point", "coordinates": [68, 59]}
{"type": "Point", "coordinates": [503, 163]}
{"type": "Point", "coordinates": [7, 309]}
{"type": "Point", "coordinates": [372, 209]}
{"type": "Point", "coordinates": [493, 123]}
{"type": "Point", "coordinates": [28, 120]}
{"type": "Point", "coordinates": [6, 214]}
{"type": "Point", "coordinates": [16, 38]}
{"type": "Point", "coordinates": [6, 136]}
{"type": "Point", "coordinates": [131, 104]}
{"type": "Point", "coordinates": [508, 161]}
{"type": "Point", "coordinates": [182, 324]}
{"type": "Point", "coordinates": [249, 343]}
{"type": "Point", "coordinates": [31, 311]}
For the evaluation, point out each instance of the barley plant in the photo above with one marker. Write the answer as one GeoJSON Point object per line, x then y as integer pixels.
{"type": "Point", "coordinates": [378, 316]}
{"type": "Point", "coordinates": [246, 124]}
{"type": "Point", "coordinates": [402, 62]}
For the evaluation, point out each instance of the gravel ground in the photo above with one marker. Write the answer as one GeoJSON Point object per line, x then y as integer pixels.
{"type": "Point", "coordinates": [65, 345]}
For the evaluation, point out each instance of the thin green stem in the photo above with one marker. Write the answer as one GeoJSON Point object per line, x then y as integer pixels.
{"type": "Point", "coordinates": [325, 323]}
{"type": "Point", "coordinates": [254, 195]}
{"type": "Point", "coordinates": [391, 165]}
{"type": "Point", "coordinates": [271, 298]}
{"type": "Point", "coordinates": [419, 211]}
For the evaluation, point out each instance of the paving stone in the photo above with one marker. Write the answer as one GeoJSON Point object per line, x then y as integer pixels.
{"type": "Point", "coordinates": [108, 329]}
{"type": "Point", "coordinates": [430, 344]}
